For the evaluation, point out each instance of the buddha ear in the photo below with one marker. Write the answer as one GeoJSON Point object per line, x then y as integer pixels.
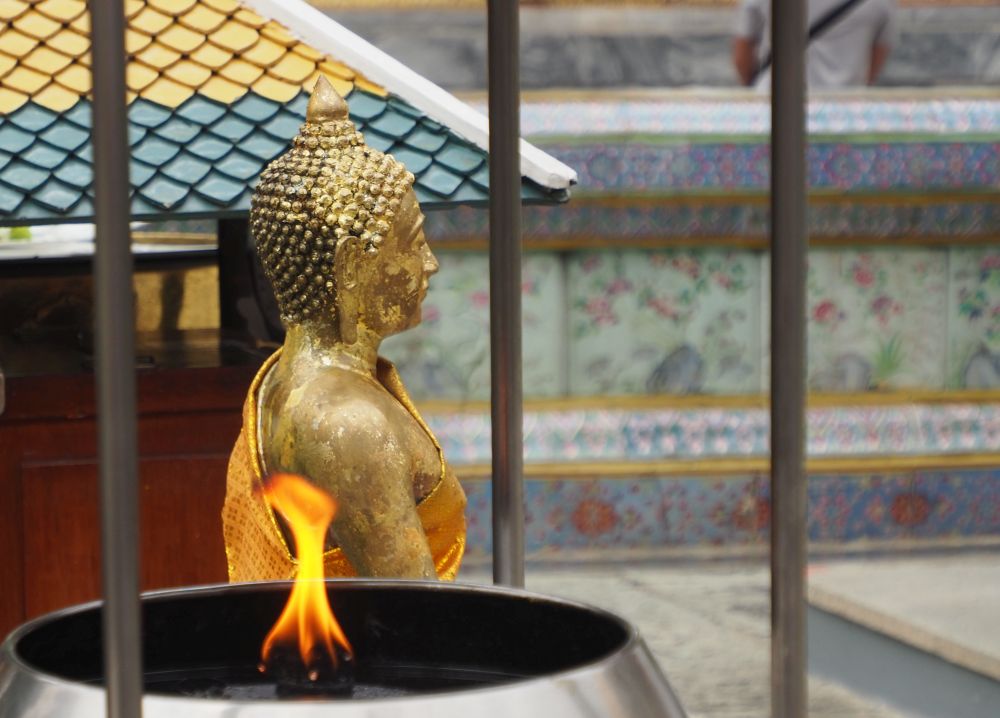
{"type": "Point", "coordinates": [345, 270]}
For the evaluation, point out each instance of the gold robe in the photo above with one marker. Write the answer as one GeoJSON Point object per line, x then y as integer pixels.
{"type": "Point", "coordinates": [255, 546]}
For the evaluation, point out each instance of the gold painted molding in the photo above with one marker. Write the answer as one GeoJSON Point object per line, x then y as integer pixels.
{"type": "Point", "coordinates": [720, 401]}
{"type": "Point", "coordinates": [731, 468]}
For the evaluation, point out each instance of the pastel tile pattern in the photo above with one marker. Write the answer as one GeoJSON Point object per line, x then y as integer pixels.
{"type": "Point", "coordinates": [661, 434]}
{"type": "Point", "coordinates": [583, 221]}
{"type": "Point", "coordinates": [448, 355]}
{"type": "Point", "coordinates": [592, 514]}
{"type": "Point", "coordinates": [877, 319]}
{"type": "Point", "coordinates": [663, 321]}
{"type": "Point", "coordinates": [973, 339]}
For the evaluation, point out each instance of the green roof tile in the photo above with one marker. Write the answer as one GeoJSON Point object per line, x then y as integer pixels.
{"type": "Point", "coordinates": [155, 151]}
{"type": "Point", "coordinates": [211, 148]}
{"type": "Point", "coordinates": [145, 113]}
{"type": "Point", "coordinates": [76, 173]}
{"type": "Point", "coordinates": [481, 177]}
{"type": "Point", "coordinates": [163, 192]}
{"type": "Point", "coordinates": [177, 130]}
{"type": "Point", "coordinates": [139, 173]}
{"type": "Point", "coordinates": [255, 108]}
{"type": "Point", "coordinates": [199, 110]}
{"type": "Point", "coordinates": [283, 126]}
{"type": "Point", "coordinates": [220, 189]}
{"type": "Point", "coordinates": [377, 140]}
{"type": "Point", "coordinates": [364, 106]}
{"type": "Point", "coordinates": [440, 180]}
{"type": "Point", "coordinates": [56, 196]}
{"type": "Point", "coordinates": [423, 139]}
{"type": "Point", "coordinates": [65, 135]}
{"type": "Point", "coordinates": [44, 155]}
{"type": "Point", "coordinates": [461, 158]}
{"type": "Point", "coordinates": [23, 176]}
{"type": "Point", "coordinates": [33, 118]}
{"type": "Point", "coordinates": [186, 168]}
{"type": "Point", "coordinates": [239, 166]}
{"type": "Point", "coordinates": [10, 199]}
{"type": "Point", "coordinates": [414, 160]}
{"type": "Point", "coordinates": [232, 128]}
{"type": "Point", "coordinates": [393, 123]}
{"type": "Point", "coordinates": [79, 114]}
{"type": "Point", "coordinates": [263, 147]}
{"type": "Point", "coordinates": [14, 140]}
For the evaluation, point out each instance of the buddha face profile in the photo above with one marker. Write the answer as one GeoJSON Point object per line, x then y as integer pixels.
{"type": "Point", "coordinates": [339, 230]}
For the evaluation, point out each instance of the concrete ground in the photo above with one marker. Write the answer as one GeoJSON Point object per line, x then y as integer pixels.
{"type": "Point", "coordinates": [707, 623]}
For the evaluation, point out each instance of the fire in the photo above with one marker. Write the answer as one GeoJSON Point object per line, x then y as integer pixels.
{"type": "Point", "coordinates": [307, 621]}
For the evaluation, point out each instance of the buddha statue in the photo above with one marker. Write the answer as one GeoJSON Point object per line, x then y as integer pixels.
{"type": "Point", "coordinates": [340, 236]}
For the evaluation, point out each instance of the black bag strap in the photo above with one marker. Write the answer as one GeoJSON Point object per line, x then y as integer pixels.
{"type": "Point", "coordinates": [821, 25]}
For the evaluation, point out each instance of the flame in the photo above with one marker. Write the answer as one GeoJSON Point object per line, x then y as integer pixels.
{"type": "Point", "coordinates": [307, 620]}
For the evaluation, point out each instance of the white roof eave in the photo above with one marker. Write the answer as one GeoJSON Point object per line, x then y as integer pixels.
{"type": "Point", "coordinates": [327, 35]}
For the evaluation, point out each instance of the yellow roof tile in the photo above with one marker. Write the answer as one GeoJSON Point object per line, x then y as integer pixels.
{"type": "Point", "coordinates": [150, 21]}
{"type": "Point", "coordinates": [10, 100]}
{"type": "Point", "coordinates": [133, 7]}
{"type": "Point", "coordinates": [276, 90]}
{"type": "Point", "coordinates": [16, 44]}
{"type": "Point", "coordinates": [82, 24]}
{"type": "Point", "coordinates": [202, 18]}
{"type": "Point", "coordinates": [274, 31]}
{"type": "Point", "coordinates": [7, 63]}
{"type": "Point", "coordinates": [25, 80]}
{"type": "Point", "coordinates": [249, 17]}
{"type": "Point", "coordinates": [224, 6]}
{"type": "Point", "coordinates": [62, 10]}
{"type": "Point", "coordinates": [172, 7]}
{"type": "Point", "coordinates": [84, 59]}
{"type": "Point", "coordinates": [158, 56]}
{"type": "Point", "coordinates": [235, 36]}
{"type": "Point", "coordinates": [45, 60]}
{"type": "Point", "coordinates": [222, 90]}
{"type": "Point", "coordinates": [308, 52]}
{"type": "Point", "coordinates": [369, 86]}
{"type": "Point", "coordinates": [181, 39]}
{"type": "Point", "coordinates": [343, 87]}
{"type": "Point", "coordinates": [37, 25]}
{"type": "Point", "coordinates": [332, 67]}
{"type": "Point", "coordinates": [76, 78]}
{"type": "Point", "coordinates": [69, 42]}
{"type": "Point", "coordinates": [240, 72]}
{"type": "Point", "coordinates": [265, 53]}
{"type": "Point", "coordinates": [138, 76]}
{"type": "Point", "coordinates": [56, 98]}
{"type": "Point", "coordinates": [211, 56]}
{"type": "Point", "coordinates": [10, 9]}
{"type": "Point", "coordinates": [135, 41]}
{"type": "Point", "coordinates": [167, 92]}
{"type": "Point", "coordinates": [189, 73]}
{"type": "Point", "coordinates": [293, 68]}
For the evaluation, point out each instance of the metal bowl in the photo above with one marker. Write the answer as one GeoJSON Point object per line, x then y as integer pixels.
{"type": "Point", "coordinates": [421, 649]}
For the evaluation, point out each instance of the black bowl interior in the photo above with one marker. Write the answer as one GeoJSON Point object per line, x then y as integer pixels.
{"type": "Point", "coordinates": [407, 638]}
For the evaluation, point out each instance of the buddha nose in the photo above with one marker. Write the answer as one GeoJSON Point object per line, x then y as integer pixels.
{"type": "Point", "coordinates": [431, 265]}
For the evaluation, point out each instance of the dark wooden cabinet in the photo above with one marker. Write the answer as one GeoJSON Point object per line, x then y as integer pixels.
{"type": "Point", "coordinates": [49, 514]}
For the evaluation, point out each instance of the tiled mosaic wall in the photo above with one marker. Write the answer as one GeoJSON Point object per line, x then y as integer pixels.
{"type": "Point", "coordinates": [690, 321]}
{"type": "Point", "coordinates": [574, 516]}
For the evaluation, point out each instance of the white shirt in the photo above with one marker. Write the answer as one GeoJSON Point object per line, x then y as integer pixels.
{"type": "Point", "coordinates": [841, 55]}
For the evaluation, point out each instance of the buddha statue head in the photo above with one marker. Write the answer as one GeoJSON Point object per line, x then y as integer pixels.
{"type": "Point", "coordinates": [339, 231]}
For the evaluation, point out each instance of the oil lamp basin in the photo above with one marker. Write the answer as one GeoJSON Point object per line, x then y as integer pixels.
{"type": "Point", "coordinates": [420, 649]}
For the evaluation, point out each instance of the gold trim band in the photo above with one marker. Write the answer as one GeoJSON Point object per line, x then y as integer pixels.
{"type": "Point", "coordinates": [738, 467]}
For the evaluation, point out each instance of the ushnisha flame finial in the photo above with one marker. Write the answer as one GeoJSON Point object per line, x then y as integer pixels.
{"type": "Point", "coordinates": [325, 104]}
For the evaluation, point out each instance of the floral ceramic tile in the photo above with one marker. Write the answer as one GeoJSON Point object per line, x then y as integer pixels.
{"type": "Point", "coordinates": [663, 322]}
{"type": "Point", "coordinates": [974, 319]}
{"type": "Point", "coordinates": [876, 319]}
{"type": "Point", "coordinates": [448, 355]}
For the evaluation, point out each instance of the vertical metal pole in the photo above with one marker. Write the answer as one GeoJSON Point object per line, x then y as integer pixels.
{"type": "Point", "coordinates": [116, 408]}
{"type": "Point", "coordinates": [788, 268]}
{"type": "Point", "coordinates": [505, 291]}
